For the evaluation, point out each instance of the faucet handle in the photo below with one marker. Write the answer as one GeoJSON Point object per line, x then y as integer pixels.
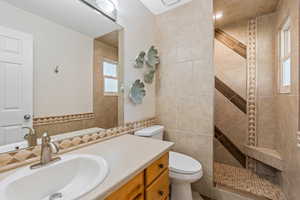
{"type": "Point", "coordinates": [31, 131]}
{"type": "Point", "coordinates": [46, 139]}
{"type": "Point", "coordinates": [31, 137]}
{"type": "Point", "coordinates": [54, 147]}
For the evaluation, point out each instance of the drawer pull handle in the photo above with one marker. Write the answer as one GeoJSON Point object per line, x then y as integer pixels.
{"type": "Point", "coordinates": [161, 166]}
{"type": "Point", "coordinates": [161, 193]}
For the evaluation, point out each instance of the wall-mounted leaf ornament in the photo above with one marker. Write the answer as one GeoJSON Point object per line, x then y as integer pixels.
{"type": "Point", "coordinates": [152, 58]}
{"type": "Point", "coordinates": [137, 92]}
{"type": "Point", "coordinates": [149, 76]}
{"type": "Point", "coordinates": [140, 60]}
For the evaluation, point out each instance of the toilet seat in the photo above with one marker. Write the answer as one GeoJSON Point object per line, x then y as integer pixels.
{"type": "Point", "coordinates": [183, 164]}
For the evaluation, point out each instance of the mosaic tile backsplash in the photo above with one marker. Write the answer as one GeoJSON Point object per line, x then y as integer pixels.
{"type": "Point", "coordinates": [11, 160]}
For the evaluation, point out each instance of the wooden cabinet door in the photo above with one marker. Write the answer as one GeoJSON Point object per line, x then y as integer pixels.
{"type": "Point", "coordinates": [133, 190]}
{"type": "Point", "coordinates": [156, 168]}
{"type": "Point", "coordinates": [159, 189]}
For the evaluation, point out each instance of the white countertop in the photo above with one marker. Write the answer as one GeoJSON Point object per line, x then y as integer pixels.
{"type": "Point", "coordinates": [126, 155]}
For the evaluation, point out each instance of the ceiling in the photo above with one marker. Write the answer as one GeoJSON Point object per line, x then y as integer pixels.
{"type": "Point", "coordinates": [69, 13]}
{"type": "Point", "coordinates": [234, 10]}
{"type": "Point", "coordinates": [110, 39]}
{"type": "Point", "coordinates": [157, 7]}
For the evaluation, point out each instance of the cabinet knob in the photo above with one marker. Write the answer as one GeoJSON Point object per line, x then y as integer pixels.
{"type": "Point", "coordinates": [161, 193]}
{"type": "Point", "coordinates": [161, 166]}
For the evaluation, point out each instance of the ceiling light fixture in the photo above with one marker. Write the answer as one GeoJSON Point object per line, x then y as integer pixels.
{"type": "Point", "coordinates": [170, 2]}
{"type": "Point", "coordinates": [218, 15]}
{"type": "Point", "coordinates": [105, 7]}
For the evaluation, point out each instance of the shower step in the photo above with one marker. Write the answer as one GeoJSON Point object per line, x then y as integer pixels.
{"type": "Point", "coordinates": [226, 193]}
{"type": "Point", "coordinates": [268, 156]}
{"type": "Point", "coordinates": [246, 182]}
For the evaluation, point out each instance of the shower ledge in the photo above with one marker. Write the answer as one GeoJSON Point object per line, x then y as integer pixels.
{"type": "Point", "coordinates": [268, 156]}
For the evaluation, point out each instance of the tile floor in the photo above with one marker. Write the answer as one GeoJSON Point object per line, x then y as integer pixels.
{"type": "Point", "coordinates": [246, 181]}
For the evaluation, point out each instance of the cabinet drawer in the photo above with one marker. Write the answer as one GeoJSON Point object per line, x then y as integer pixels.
{"type": "Point", "coordinates": [159, 189]}
{"type": "Point", "coordinates": [133, 190]}
{"type": "Point", "coordinates": [155, 169]}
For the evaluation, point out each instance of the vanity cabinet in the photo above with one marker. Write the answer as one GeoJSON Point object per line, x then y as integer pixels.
{"type": "Point", "coordinates": [151, 184]}
{"type": "Point", "coordinates": [156, 168]}
{"type": "Point", "coordinates": [133, 190]}
{"type": "Point", "coordinates": [159, 189]}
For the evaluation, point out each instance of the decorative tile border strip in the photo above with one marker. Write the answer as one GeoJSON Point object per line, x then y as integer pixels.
{"type": "Point", "coordinates": [252, 87]}
{"type": "Point", "coordinates": [231, 42]}
{"type": "Point", "coordinates": [231, 95]}
{"type": "Point", "coordinates": [62, 119]}
{"type": "Point", "coordinates": [15, 159]}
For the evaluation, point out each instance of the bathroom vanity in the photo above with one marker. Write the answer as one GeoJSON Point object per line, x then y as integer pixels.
{"type": "Point", "coordinates": [152, 183]}
{"type": "Point", "coordinates": [137, 170]}
{"type": "Point", "coordinates": [68, 135]}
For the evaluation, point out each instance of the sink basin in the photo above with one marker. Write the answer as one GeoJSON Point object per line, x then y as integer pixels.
{"type": "Point", "coordinates": [68, 179]}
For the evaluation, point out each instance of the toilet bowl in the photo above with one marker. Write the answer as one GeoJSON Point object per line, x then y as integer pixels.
{"type": "Point", "coordinates": [183, 170]}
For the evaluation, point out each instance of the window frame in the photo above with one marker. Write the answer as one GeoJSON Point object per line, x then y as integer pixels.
{"type": "Point", "coordinates": [284, 55]}
{"type": "Point", "coordinates": [110, 77]}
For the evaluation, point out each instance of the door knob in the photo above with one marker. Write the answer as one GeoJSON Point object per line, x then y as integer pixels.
{"type": "Point", "coordinates": [27, 117]}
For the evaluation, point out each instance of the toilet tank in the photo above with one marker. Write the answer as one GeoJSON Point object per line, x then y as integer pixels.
{"type": "Point", "coordinates": [155, 132]}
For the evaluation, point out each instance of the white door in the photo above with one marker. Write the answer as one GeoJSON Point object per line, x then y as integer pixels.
{"type": "Point", "coordinates": [16, 84]}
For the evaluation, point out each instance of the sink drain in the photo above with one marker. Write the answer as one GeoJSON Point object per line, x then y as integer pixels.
{"type": "Point", "coordinates": [55, 196]}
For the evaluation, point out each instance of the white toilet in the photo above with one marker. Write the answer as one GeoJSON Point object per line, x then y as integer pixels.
{"type": "Point", "coordinates": [183, 170]}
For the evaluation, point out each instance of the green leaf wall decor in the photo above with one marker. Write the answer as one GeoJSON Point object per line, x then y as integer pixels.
{"type": "Point", "coordinates": [149, 76]}
{"type": "Point", "coordinates": [137, 92]}
{"type": "Point", "coordinates": [152, 58]}
{"type": "Point", "coordinates": [140, 60]}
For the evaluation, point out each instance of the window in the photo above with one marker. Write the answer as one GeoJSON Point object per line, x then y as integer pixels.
{"type": "Point", "coordinates": [285, 58]}
{"type": "Point", "coordinates": [110, 77]}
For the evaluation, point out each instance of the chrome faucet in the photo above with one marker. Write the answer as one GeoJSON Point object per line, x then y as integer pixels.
{"type": "Point", "coordinates": [30, 137]}
{"type": "Point", "coordinates": [48, 148]}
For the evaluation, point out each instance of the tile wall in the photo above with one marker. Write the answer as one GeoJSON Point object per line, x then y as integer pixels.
{"type": "Point", "coordinates": [288, 107]}
{"type": "Point", "coordinates": [185, 85]}
{"type": "Point", "coordinates": [231, 68]}
{"type": "Point", "coordinates": [105, 107]}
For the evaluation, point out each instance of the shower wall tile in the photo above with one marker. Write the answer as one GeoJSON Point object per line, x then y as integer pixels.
{"type": "Point", "coordinates": [231, 69]}
{"type": "Point", "coordinates": [288, 108]}
{"type": "Point", "coordinates": [222, 155]}
{"type": "Point", "coordinates": [267, 129]}
{"type": "Point", "coordinates": [185, 83]}
{"type": "Point", "coordinates": [230, 120]}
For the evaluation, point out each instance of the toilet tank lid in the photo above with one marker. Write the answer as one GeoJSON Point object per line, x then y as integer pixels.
{"type": "Point", "coordinates": [150, 131]}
